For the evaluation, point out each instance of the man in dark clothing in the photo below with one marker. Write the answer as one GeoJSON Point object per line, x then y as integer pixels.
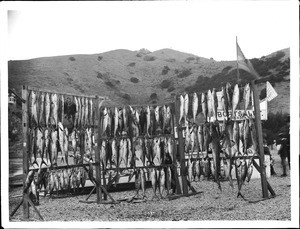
{"type": "Point", "coordinates": [284, 150]}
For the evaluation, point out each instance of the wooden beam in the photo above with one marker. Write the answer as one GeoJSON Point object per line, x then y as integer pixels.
{"type": "Point", "coordinates": [25, 125]}
{"type": "Point", "coordinates": [260, 140]}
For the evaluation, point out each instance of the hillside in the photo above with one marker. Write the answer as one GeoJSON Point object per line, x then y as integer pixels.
{"type": "Point", "coordinates": [143, 77]}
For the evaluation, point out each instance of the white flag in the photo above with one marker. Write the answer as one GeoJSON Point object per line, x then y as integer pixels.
{"type": "Point", "coordinates": [271, 93]}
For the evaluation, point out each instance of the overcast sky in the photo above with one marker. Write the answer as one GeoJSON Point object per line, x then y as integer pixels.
{"type": "Point", "coordinates": [206, 29]}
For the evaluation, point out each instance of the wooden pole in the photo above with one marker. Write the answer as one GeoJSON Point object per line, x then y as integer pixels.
{"type": "Point", "coordinates": [97, 155]}
{"type": "Point", "coordinates": [25, 149]}
{"type": "Point", "coordinates": [181, 149]}
{"type": "Point", "coordinates": [263, 177]}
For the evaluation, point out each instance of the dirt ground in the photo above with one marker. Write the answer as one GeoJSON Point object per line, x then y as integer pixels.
{"type": "Point", "coordinates": [210, 204]}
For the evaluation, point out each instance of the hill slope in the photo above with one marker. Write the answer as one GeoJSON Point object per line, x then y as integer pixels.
{"type": "Point", "coordinates": [143, 77]}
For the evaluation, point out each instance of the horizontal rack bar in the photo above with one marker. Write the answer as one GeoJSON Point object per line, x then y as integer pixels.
{"type": "Point", "coordinates": [65, 93]}
{"type": "Point", "coordinates": [141, 136]}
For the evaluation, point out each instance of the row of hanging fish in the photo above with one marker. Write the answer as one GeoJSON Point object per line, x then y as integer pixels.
{"type": "Point", "coordinates": [136, 121]}
{"type": "Point", "coordinates": [136, 151]}
{"type": "Point", "coordinates": [198, 169]}
{"type": "Point", "coordinates": [48, 109]}
{"type": "Point", "coordinates": [161, 180]}
{"type": "Point", "coordinates": [60, 180]}
{"type": "Point", "coordinates": [207, 103]}
{"type": "Point", "coordinates": [233, 138]}
{"type": "Point", "coordinates": [46, 144]}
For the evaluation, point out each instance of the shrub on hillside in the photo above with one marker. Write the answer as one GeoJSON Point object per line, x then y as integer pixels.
{"type": "Point", "coordinates": [149, 58]}
{"type": "Point", "coordinates": [171, 60]}
{"type": "Point", "coordinates": [170, 89]}
{"type": "Point", "coordinates": [99, 75]}
{"type": "Point", "coordinates": [72, 58]}
{"type": "Point", "coordinates": [134, 80]}
{"type": "Point", "coordinates": [153, 96]}
{"type": "Point", "coordinates": [189, 59]}
{"type": "Point", "coordinates": [184, 73]}
{"type": "Point", "coordinates": [100, 58]}
{"type": "Point", "coordinates": [131, 64]}
{"type": "Point", "coordinates": [126, 96]}
{"type": "Point", "coordinates": [165, 70]}
{"type": "Point", "coordinates": [110, 84]}
{"type": "Point", "coordinates": [165, 83]}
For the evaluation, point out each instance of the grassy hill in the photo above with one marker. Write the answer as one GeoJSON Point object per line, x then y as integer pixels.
{"type": "Point", "coordinates": [143, 77]}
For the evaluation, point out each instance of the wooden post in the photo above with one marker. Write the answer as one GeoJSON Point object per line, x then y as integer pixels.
{"type": "Point", "coordinates": [97, 155]}
{"type": "Point", "coordinates": [25, 149]}
{"type": "Point", "coordinates": [260, 140]}
{"type": "Point", "coordinates": [181, 149]}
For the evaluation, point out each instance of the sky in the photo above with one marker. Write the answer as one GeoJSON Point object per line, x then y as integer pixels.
{"type": "Point", "coordinates": [204, 28]}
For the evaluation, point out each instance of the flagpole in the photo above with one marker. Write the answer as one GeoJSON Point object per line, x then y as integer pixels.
{"type": "Point", "coordinates": [237, 64]}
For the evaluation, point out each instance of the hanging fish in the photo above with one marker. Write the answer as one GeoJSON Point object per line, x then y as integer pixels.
{"type": "Point", "coordinates": [86, 111]}
{"type": "Point", "coordinates": [242, 173]}
{"type": "Point", "coordinates": [200, 138]}
{"type": "Point", "coordinates": [143, 182]}
{"type": "Point", "coordinates": [214, 104]}
{"type": "Point", "coordinates": [54, 107]}
{"type": "Point", "coordinates": [121, 152]}
{"type": "Point", "coordinates": [186, 106]}
{"type": "Point", "coordinates": [246, 135]}
{"type": "Point", "coordinates": [229, 93]}
{"type": "Point", "coordinates": [216, 150]}
{"type": "Point", "coordinates": [148, 146]}
{"type": "Point", "coordinates": [170, 145]}
{"type": "Point", "coordinates": [204, 106]}
{"type": "Point", "coordinates": [53, 147]}
{"type": "Point", "coordinates": [41, 108]}
{"type": "Point", "coordinates": [236, 138]}
{"type": "Point", "coordinates": [209, 104]}
{"type": "Point", "coordinates": [40, 145]}
{"type": "Point", "coordinates": [148, 118]}
{"type": "Point", "coordinates": [169, 180]}
{"type": "Point", "coordinates": [33, 107]}
{"type": "Point", "coordinates": [193, 138]}
{"type": "Point", "coordinates": [254, 137]}
{"type": "Point", "coordinates": [105, 120]}
{"type": "Point", "coordinates": [114, 156]}
{"type": "Point", "coordinates": [82, 102]}
{"type": "Point", "coordinates": [195, 105]}
{"type": "Point", "coordinates": [235, 99]}
{"type": "Point", "coordinates": [66, 145]}
{"type": "Point", "coordinates": [157, 118]}
{"type": "Point", "coordinates": [76, 118]}
{"type": "Point", "coordinates": [130, 156]}
{"type": "Point", "coordinates": [190, 169]}
{"type": "Point", "coordinates": [153, 178]}
{"type": "Point", "coordinates": [72, 139]}
{"type": "Point", "coordinates": [116, 120]}
{"type": "Point", "coordinates": [182, 106]}
{"type": "Point", "coordinates": [197, 170]}
{"type": "Point", "coordinates": [249, 169]}
{"type": "Point", "coordinates": [247, 96]}
{"type": "Point", "coordinates": [241, 136]}
{"type": "Point", "coordinates": [47, 108]}
{"type": "Point", "coordinates": [103, 154]}
{"type": "Point", "coordinates": [225, 102]}
{"type": "Point", "coordinates": [227, 146]}
{"type": "Point", "coordinates": [46, 151]}
{"type": "Point", "coordinates": [33, 145]}
{"type": "Point", "coordinates": [139, 152]}
{"type": "Point", "coordinates": [61, 138]}
{"type": "Point", "coordinates": [157, 160]}
{"type": "Point", "coordinates": [125, 119]}
{"type": "Point", "coordinates": [62, 108]}
{"type": "Point", "coordinates": [162, 179]}
{"type": "Point", "coordinates": [164, 114]}
{"type": "Point", "coordinates": [120, 120]}
{"type": "Point", "coordinates": [187, 139]}
{"type": "Point", "coordinates": [207, 137]}
{"type": "Point", "coordinates": [143, 120]}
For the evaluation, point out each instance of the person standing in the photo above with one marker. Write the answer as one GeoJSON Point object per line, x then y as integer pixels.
{"type": "Point", "coordinates": [284, 150]}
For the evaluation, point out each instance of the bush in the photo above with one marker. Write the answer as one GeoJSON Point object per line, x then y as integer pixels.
{"type": "Point", "coordinates": [184, 73]}
{"type": "Point", "coordinates": [131, 64]}
{"type": "Point", "coordinates": [100, 58]}
{"type": "Point", "coordinates": [134, 80]}
{"type": "Point", "coordinates": [165, 70]}
{"type": "Point", "coordinates": [170, 89]}
{"type": "Point", "coordinates": [149, 58]}
{"type": "Point", "coordinates": [126, 96]}
{"type": "Point", "coordinates": [153, 96]}
{"type": "Point", "coordinates": [110, 84]}
{"type": "Point", "coordinates": [189, 59]}
{"type": "Point", "coordinates": [99, 75]}
{"type": "Point", "coordinates": [72, 58]}
{"type": "Point", "coordinates": [165, 83]}
{"type": "Point", "coordinates": [171, 60]}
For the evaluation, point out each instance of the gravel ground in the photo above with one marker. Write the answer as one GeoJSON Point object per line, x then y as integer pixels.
{"type": "Point", "coordinates": [211, 204]}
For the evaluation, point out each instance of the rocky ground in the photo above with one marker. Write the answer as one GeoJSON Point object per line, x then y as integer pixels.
{"type": "Point", "coordinates": [210, 204]}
